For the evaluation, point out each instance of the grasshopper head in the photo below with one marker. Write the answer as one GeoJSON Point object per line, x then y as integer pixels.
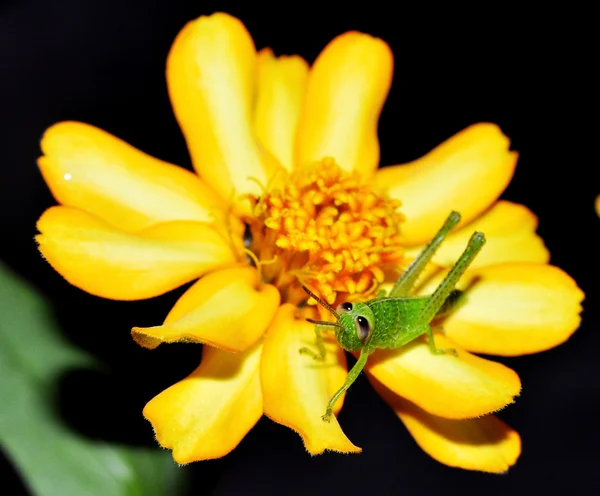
{"type": "Point", "coordinates": [356, 323]}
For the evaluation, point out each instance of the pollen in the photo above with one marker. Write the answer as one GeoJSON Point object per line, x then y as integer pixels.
{"type": "Point", "coordinates": [329, 230]}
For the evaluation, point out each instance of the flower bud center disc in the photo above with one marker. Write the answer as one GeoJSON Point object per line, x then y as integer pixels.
{"type": "Point", "coordinates": [327, 229]}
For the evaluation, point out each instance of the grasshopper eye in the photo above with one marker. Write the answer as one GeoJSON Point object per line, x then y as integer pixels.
{"type": "Point", "coordinates": [363, 327]}
{"type": "Point", "coordinates": [344, 307]}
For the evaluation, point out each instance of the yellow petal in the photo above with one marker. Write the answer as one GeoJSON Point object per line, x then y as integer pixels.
{"type": "Point", "coordinates": [92, 170]}
{"type": "Point", "coordinates": [451, 387]}
{"type": "Point", "coordinates": [280, 93]}
{"type": "Point", "coordinates": [211, 79]}
{"type": "Point", "coordinates": [597, 204]}
{"type": "Point", "coordinates": [510, 237]}
{"type": "Point", "coordinates": [514, 309]}
{"type": "Point", "coordinates": [297, 388]}
{"type": "Point", "coordinates": [107, 262]}
{"type": "Point", "coordinates": [209, 412]}
{"type": "Point", "coordinates": [226, 309]}
{"type": "Point", "coordinates": [486, 444]}
{"type": "Point", "coordinates": [466, 173]}
{"type": "Point", "coordinates": [347, 87]}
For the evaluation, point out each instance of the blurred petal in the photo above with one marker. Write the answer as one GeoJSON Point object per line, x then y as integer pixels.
{"type": "Point", "coordinates": [226, 309]}
{"type": "Point", "coordinates": [347, 87]}
{"type": "Point", "coordinates": [466, 173]}
{"type": "Point", "coordinates": [451, 387]}
{"type": "Point", "coordinates": [510, 233]}
{"type": "Point", "coordinates": [486, 443]}
{"type": "Point", "coordinates": [297, 388]}
{"type": "Point", "coordinates": [92, 170]}
{"type": "Point", "coordinates": [211, 78]}
{"type": "Point", "coordinates": [281, 85]}
{"type": "Point", "coordinates": [107, 262]}
{"type": "Point", "coordinates": [209, 412]}
{"type": "Point", "coordinates": [513, 309]}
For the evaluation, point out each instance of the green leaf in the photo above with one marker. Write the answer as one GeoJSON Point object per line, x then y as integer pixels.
{"type": "Point", "coordinates": [52, 459]}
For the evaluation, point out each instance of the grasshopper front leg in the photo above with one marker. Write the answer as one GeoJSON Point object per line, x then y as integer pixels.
{"type": "Point", "coordinates": [350, 378]}
{"type": "Point", "coordinates": [320, 345]}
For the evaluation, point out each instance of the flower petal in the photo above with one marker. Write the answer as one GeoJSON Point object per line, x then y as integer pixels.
{"type": "Point", "coordinates": [107, 262]}
{"type": "Point", "coordinates": [510, 237]}
{"type": "Point", "coordinates": [225, 309]}
{"type": "Point", "coordinates": [92, 170]}
{"type": "Point", "coordinates": [297, 388]}
{"type": "Point", "coordinates": [208, 413]}
{"type": "Point", "coordinates": [466, 173]}
{"type": "Point", "coordinates": [513, 309]}
{"type": "Point", "coordinates": [451, 387]}
{"type": "Point", "coordinates": [211, 78]}
{"type": "Point", "coordinates": [486, 443]}
{"type": "Point", "coordinates": [281, 85]}
{"type": "Point", "coordinates": [347, 87]}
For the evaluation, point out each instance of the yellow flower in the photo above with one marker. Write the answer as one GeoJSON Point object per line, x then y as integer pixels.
{"type": "Point", "coordinates": [291, 152]}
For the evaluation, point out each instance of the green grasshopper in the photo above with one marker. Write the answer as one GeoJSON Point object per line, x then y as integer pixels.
{"type": "Point", "coordinates": [394, 320]}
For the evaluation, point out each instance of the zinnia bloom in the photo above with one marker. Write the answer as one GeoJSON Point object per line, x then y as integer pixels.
{"type": "Point", "coordinates": [288, 193]}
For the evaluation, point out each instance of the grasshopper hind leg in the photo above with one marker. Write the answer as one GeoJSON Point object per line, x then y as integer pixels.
{"type": "Point", "coordinates": [435, 303]}
{"type": "Point", "coordinates": [408, 279]}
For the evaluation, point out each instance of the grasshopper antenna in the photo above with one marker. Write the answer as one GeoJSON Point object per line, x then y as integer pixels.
{"type": "Point", "coordinates": [325, 323]}
{"type": "Point", "coordinates": [322, 303]}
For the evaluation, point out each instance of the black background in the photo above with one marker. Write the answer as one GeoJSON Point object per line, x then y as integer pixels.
{"type": "Point", "coordinates": [529, 72]}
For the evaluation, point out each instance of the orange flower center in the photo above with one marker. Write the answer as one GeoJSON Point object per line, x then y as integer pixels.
{"type": "Point", "coordinates": [328, 230]}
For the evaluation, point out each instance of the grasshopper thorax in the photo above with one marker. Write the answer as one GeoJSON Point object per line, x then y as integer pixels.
{"type": "Point", "coordinates": [356, 325]}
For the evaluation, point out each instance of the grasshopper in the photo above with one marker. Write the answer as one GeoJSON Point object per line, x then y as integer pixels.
{"type": "Point", "coordinates": [396, 319]}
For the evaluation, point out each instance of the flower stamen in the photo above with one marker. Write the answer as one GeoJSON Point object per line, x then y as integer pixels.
{"type": "Point", "coordinates": [259, 263]}
{"type": "Point", "coordinates": [329, 230]}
